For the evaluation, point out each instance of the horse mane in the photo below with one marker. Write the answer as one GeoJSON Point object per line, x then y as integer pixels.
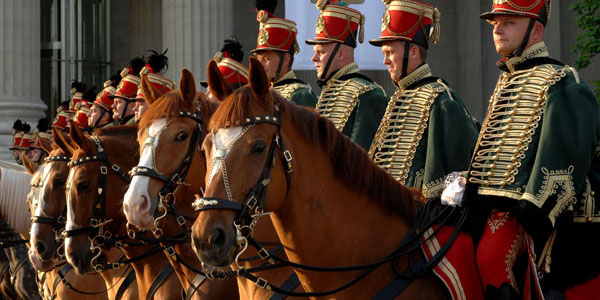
{"type": "Point", "coordinates": [116, 131]}
{"type": "Point", "coordinates": [170, 104]}
{"type": "Point", "coordinates": [14, 187]}
{"type": "Point", "coordinates": [348, 160]}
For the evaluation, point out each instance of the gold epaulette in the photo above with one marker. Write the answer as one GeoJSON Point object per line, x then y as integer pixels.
{"type": "Point", "coordinates": [287, 90]}
{"type": "Point", "coordinates": [339, 98]}
{"type": "Point", "coordinates": [401, 129]}
{"type": "Point", "coordinates": [514, 113]}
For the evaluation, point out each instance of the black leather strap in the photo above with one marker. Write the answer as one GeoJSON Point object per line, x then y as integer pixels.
{"type": "Point", "coordinates": [125, 284]}
{"type": "Point", "coordinates": [396, 286]}
{"type": "Point", "coordinates": [159, 280]}
{"type": "Point", "coordinates": [290, 284]}
{"type": "Point", "coordinates": [194, 285]}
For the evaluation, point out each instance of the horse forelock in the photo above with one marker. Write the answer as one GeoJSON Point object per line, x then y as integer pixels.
{"type": "Point", "coordinates": [350, 162]}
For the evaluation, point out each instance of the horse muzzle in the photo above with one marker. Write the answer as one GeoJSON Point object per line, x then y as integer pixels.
{"type": "Point", "coordinates": [215, 246]}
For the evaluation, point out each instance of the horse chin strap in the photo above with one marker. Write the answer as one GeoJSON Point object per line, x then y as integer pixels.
{"type": "Point", "coordinates": [253, 207]}
{"type": "Point", "coordinates": [176, 178]}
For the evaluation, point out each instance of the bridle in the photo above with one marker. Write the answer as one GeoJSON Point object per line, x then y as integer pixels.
{"type": "Point", "coordinates": [57, 223]}
{"type": "Point", "coordinates": [253, 206]}
{"type": "Point", "coordinates": [176, 178]}
{"type": "Point", "coordinates": [98, 234]}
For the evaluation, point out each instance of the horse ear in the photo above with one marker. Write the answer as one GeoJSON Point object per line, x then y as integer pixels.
{"type": "Point", "coordinates": [30, 166]}
{"type": "Point", "coordinates": [219, 87]}
{"type": "Point", "coordinates": [259, 83]}
{"type": "Point", "coordinates": [150, 92]}
{"type": "Point", "coordinates": [46, 144]}
{"type": "Point", "coordinates": [61, 141]}
{"type": "Point", "coordinates": [77, 136]}
{"type": "Point", "coordinates": [187, 87]}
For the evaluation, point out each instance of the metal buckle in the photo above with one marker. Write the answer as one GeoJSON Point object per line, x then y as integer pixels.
{"type": "Point", "coordinates": [262, 284]}
{"type": "Point", "coordinates": [116, 265]}
{"type": "Point", "coordinates": [181, 220]}
{"type": "Point", "coordinates": [170, 250]}
{"type": "Point", "coordinates": [263, 253]}
{"type": "Point", "coordinates": [252, 202]}
{"type": "Point", "coordinates": [93, 222]}
{"type": "Point", "coordinates": [103, 170]}
{"type": "Point", "coordinates": [60, 219]}
{"type": "Point", "coordinates": [118, 244]}
{"type": "Point", "coordinates": [115, 167]}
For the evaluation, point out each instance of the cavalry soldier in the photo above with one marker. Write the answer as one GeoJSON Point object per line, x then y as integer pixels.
{"type": "Point", "coordinates": [426, 132]}
{"type": "Point", "coordinates": [19, 129]}
{"type": "Point", "coordinates": [101, 111]}
{"type": "Point", "coordinates": [535, 171]}
{"type": "Point", "coordinates": [61, 121]}
{"type": "Point", "coordinates": [276, 47]}
{"type": "Point", "coordinates": [155, 65]}
{"type": "Point", "coordinates": [41, 136]}
{"type": "Point", "coordinates": [351, 100]}
{"type": "Point", "coordinates": [126, 90]}
{"type": "Point", "coordinates": [78, 89]}
{"type": "Point", "coordinates": [229, 60]}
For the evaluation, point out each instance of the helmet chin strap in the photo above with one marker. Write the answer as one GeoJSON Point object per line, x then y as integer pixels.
{"type": "Point", "coordinates": [279, 66]}
{"type": "Point", "coordinates": [521, 48]}
{"type": "Point", "coordinates": [95, 125]}
{"type": "Point", "coordinates": [322, 81]}
{"type": "Point", "coordinates": [405, 60]}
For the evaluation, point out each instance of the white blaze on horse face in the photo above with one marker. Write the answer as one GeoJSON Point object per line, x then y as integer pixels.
{"type": "Point", "coordinates": [70, 213]}
{"type": "Point", "coordinates": [221, 146]}
{"type": "Point", "coordinates": [38, 202]}
{"type": "Point", "coordinates": [138, 188]}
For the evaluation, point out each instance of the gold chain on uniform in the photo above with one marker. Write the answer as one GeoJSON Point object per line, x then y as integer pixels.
{"type": "Point", "coordinates": [401, 129]}
{"type": "Point", "coordinates": [339, 98]}
{"type": "Point", "coordinates": [515, 111]}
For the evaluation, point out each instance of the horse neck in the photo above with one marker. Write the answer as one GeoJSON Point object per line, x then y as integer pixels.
{"type": "Point", "coordinates": [146, 269]}
{"type": "Point", "coordinates": [330, 221]}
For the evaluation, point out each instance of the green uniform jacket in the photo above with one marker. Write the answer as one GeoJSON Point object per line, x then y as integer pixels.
{"type": "Point", "coordinates": [354, 103]}
{"type": "Point", "coordinates": [295, 90]}
{"type": "Point", "coordinates": [426, 133]}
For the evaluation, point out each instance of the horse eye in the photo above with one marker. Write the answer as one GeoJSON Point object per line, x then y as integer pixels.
{"type": "Point", "coordinates": [258, 147]}
{"type": "Point", "coordinates": [181, 136]}
{"type": "Point", "coordinates": [83, 186]}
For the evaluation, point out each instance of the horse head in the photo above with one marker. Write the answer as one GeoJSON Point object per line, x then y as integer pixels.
{"type": "Point", "coordinates": [171, 167]}
{"type": "Point", "coordinates": [94, 213]}
{"type": "Point", "coordinates": [244, 156]}
{"type": "Point", "coordinates": [47, 204]}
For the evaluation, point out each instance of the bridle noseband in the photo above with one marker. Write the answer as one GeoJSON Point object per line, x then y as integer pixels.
{"type": "Point", "coordinates": [177, 177]}
{"type": "Point", "coordinates": [253, 207]}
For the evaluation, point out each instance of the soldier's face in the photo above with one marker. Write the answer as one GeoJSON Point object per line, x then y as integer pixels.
{"type": "Point", "coordinates": [35, 154]}
{"type": "Point", "coordinates": [270, 61]}
{"type": "Point", "coordinates": [508, 33]}
{"type": "Point", "coordinates": [94, 115]}
{"type": "Point", "coordinates": [118, 108]}
{"type": "Point", "coordinates": [17, 155]}
{"type": "Point", "coordinates": [393, 54]}
{"type": "Point", "coordinates": [321, 55]}
{"type": "Point", "coordinates": [139, 109]}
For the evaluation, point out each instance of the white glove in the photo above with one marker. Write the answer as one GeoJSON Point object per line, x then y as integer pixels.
{"type": "Point", "coordinates": [454, 190]}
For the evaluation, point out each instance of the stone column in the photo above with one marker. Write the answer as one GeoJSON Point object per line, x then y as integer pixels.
{"type": "Point", "coordinates": [19, 68]}
{"type": "Point", "coordinates": [194, 31]}
{"type": "Point", "coordinates": [468, 26]}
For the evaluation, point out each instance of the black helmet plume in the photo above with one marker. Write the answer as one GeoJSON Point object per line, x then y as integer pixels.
{"type": "Point", "coordinates": [90, 94]}
{"type": "Point", "coordinates": [233, 49]}
{"type": "Point", "coordinates": [25, 127]}
{"type": "Point", "coordinates": [137, 64]}
{"type": "Point", "coordinates": [18, 125]}
{"type": "Point", "coordinates": [79, 86]}
{"type": "Point", "coordinates": [115, 79]}
{"type": "Point", "coordinates": [158, 61]}
{"type": "Point", "coordinates": [268, 5]}
{"type": "Point", "coordinates": [42, 125]}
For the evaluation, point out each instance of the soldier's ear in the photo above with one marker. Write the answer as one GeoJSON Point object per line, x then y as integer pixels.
{"type": "Point", "coordinates": [150, 92]}
{"type": "Point", "coordinates": [77, 137]}
{"type": "Point", "coordinates": [218, 86]}
{"type": "Point", "coordinates": [187, 88]}
{"type": "Point", "coordinates": [61, 141]}
{"type": "Point", "coordinates": [30, 166]}
{"type": "Point", "coordinates": [259, 83]}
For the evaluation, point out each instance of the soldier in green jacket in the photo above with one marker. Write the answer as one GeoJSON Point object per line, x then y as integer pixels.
{"type": "Point", "coordinates": [535, 170]}
{"type": "Point", "coordinates": [351, 100]}
{"type": "Point", "coordinates": [276, 48]}
{"type": "Point", "coordinates": [426, 132]}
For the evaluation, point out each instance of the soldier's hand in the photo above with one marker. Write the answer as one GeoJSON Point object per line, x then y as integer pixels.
{"type": "Point", "coordinates": [454, 189]}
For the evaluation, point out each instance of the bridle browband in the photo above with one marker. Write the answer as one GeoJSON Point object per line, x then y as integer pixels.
{"type": "Point", "coordinates": [177, 177]}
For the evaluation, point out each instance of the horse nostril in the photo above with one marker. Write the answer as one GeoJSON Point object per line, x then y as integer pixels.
{"type": "Point", "coordinates": [144, 204]}
{"type": "Point", "coordinates": [40, 248]}
{"type": "Point", "coordinates": [218, 237]}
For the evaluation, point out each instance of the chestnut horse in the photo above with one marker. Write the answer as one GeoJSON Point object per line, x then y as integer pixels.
{"type": "Point", "coordinates": [174, 152]}
{"type": "Point", "coordinates": [95, 222]}
{"type": "Point", "coordinates": [47, 203]}
{"type": "Point", "coordinates": [147, 189]}
{"type": "Point", "coordinates": [331, 206]}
